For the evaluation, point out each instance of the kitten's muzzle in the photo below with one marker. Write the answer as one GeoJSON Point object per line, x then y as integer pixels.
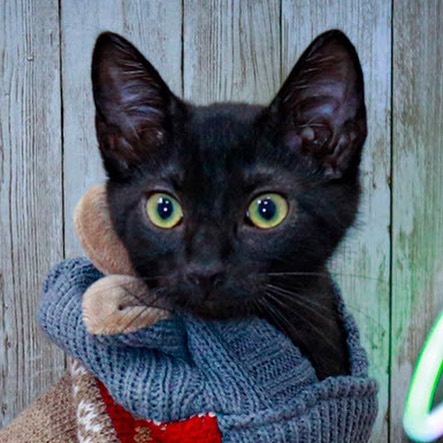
{"type": "Point", "coordinates": [205, 277]}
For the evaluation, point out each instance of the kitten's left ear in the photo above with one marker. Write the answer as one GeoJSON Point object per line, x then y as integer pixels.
{"type": "Point", "coordinates": [135, 109]}
{"type": "Point", "coordinates": [320, 110]}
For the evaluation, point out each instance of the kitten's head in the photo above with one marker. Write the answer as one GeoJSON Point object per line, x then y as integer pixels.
{"type": "Point", "coordinates": [214, 201]}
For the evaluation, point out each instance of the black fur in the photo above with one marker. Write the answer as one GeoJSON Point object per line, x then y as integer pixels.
{"type": "Point", "coordinates": [215, 159]}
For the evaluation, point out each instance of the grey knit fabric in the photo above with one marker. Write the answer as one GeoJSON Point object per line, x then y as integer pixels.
{"type": "Point", "coordinates": [247, 372]}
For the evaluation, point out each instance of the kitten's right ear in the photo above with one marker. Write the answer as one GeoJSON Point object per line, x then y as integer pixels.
{"type": "Point", "coordinates": [134, 106]}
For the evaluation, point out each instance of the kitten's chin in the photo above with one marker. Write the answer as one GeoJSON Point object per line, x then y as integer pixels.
{"type": "Point", "coordinates": [215, 304]}
{"type": "Point", "coordinates": [214, 310]}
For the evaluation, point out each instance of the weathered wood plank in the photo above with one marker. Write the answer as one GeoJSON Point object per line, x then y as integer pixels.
{"type": "Point", "coordinates": [155, 28]}
{"type": "Point", "coordinates": [362, 266]}
{"type": "Point", "coordinates": [231, 50]}
{"type": "Point", "coordinates": [31, 234]}
{"type": "Point", "coordinates": [417, 278]}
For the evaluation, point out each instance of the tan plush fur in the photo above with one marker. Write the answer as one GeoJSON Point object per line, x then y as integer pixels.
{"type": "Point", "coordinates": [51, 418]}
{"type": "Point", "coordinates": [114, 304]}
{"type": "Point", "coordinates": [71, 411]}
{"type": "Point", "coordinates": [94, 229]}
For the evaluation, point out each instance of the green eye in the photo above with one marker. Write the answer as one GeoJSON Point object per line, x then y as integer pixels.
{"type": "Point", "coordinates": [267, 211]}
{"type": "Point", "coordinates": [163, 210]}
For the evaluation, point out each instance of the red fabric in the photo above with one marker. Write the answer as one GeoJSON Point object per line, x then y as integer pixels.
{"type": "Point", "coordinates": [195, 429]}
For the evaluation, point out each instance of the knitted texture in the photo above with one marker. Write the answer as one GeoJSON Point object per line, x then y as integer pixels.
{"type": "Point", "coordinates": [200, 428]}
{"type": "Point", "coordinates": [92, 420]}
{"type": "Point", "coordinates": [51, 418]}
{"type": "Point", "coordinates": [250, 374]}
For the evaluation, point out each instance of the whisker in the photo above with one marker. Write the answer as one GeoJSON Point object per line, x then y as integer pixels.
{"type": "Point", "coordinates": [275, 314]}
{"type": "Point", "coordinates": [317, 330]}
{"type": "Point", "coordinates": [303, 305]}
{"type": "Point", "coordinates": [300, 299]}
{"type": "Point", "coordinates": [298, 273]}
{"type": "Point", "coordinates": [151, 305]}
{"type": "Point", "coordinates": [289, 296]}
{"type": "Point", "coordinates": [324, 274]}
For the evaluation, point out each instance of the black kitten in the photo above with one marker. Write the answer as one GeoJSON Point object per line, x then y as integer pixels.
{"type": "Point", "coordinates": [234, 209]}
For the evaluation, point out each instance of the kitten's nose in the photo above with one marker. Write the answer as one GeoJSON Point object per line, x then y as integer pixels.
{"type": "Point", "coordinates": [207, 277]}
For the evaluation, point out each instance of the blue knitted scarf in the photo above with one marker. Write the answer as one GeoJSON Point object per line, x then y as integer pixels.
{"type": "Point", "coordinates": [250, 374]}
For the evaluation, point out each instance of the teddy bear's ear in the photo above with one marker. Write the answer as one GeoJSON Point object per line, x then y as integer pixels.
{"type": "Point", "coordinates": [94, 228]}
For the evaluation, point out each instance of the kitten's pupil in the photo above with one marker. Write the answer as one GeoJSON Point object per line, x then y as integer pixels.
{"type": "Point", "coordinates": [165, 208]}
{"type": "Point", "coordinates": [267, 209]}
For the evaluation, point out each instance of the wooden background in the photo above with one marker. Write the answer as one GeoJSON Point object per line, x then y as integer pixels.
{"type": "Point", "coordinates": [391, 266]}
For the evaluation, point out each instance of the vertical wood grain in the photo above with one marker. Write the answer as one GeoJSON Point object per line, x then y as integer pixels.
{"type": "Point", "coordinates": [417, 278]}
{"type": "Point", "coordinates": [238, 50]}
{"type": "Point", "coordinates": [362, 266]}
{"type": "Point", "coordinates": [155, 28]}
{"type": "Point", "coordinates": [231, 50]}
{"type": "Point", "coordinates": [31, 236]}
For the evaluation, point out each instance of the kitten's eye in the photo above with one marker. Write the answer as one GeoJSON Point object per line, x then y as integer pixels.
{"type": "Point", "coordinates": [163, 210]}
{"type": "Point", "coordinates": [267, 211]}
